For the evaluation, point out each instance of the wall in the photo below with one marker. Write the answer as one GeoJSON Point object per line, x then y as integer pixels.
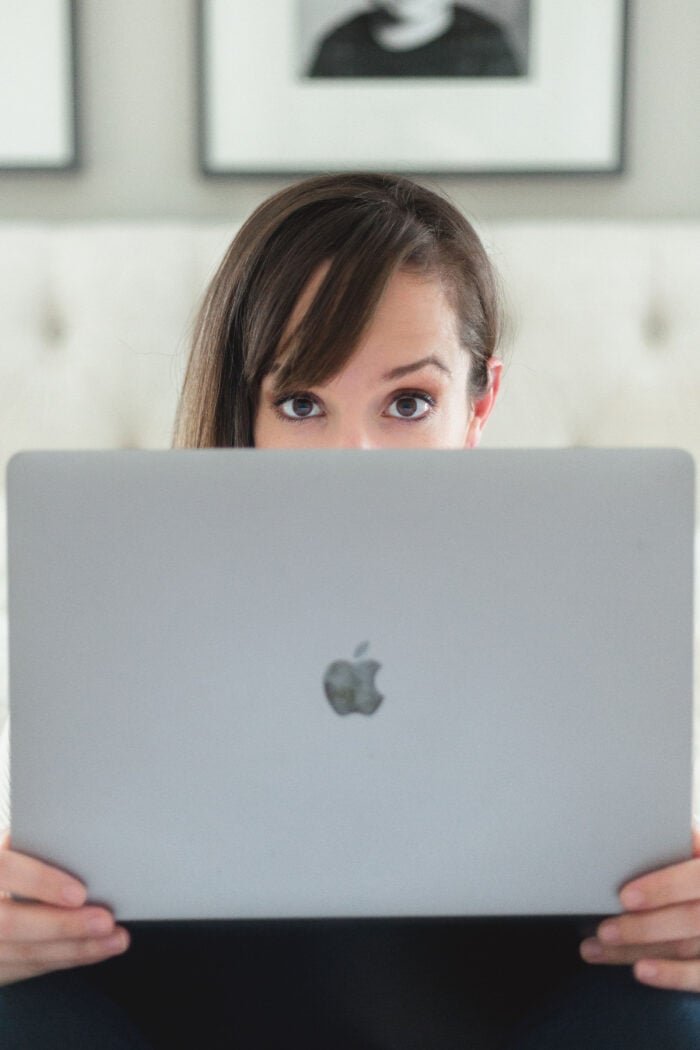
{"type": "Point", "coordinates": [137, 78]}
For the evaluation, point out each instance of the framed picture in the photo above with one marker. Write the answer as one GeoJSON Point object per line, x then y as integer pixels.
{"type": "Point", "coordinates": [38, 103]}
{"type": "Point", "coordinates": [480, 87]}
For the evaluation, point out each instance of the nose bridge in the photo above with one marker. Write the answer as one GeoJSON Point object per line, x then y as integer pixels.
{"type": "Point", "coordinates": [353, 439]}
{"type": "Point", "coordinates": [352, 433]}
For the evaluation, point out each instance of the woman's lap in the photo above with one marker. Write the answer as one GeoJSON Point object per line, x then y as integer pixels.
{"type": "Point", "coordinates": [60, 1011]}
{"type": "Point", "coordinates": [606, 1008]}
{"type": "Point", "coordinates": [442, 985]}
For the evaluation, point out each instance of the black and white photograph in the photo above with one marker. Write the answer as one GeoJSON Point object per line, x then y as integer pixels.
{"type": "Point", "coordinates": [320, 85]}
{"type": "Point", "coordinates": [414, 38]}
{"type": "Point", "coordinates": [37, 85]}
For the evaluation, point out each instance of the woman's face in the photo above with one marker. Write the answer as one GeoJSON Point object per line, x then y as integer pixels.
{"type": "Point", "coordinates": [404, 387]}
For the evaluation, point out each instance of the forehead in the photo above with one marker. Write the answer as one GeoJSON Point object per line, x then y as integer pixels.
{"type": "Point", "coordinates": [413, 320]}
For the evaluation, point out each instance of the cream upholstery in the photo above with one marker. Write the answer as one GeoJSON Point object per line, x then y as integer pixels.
{"type": "Point", "coordinates": [94, 322]}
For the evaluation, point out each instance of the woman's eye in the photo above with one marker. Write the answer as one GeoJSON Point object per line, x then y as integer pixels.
{"type": "Point", "coordinates": [408, 406]}
{"type": "Point", "coordinates": [301, 407]}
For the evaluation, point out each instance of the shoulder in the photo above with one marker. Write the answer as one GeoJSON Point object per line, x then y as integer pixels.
{"type": "Point", "coordinates": [468, 21]}
{"type": "Point", "coordinates": [341, 51]}
{"type": "Point", "coordinates": [485, 41]}
{"type": "Point", "coordinates": [349, 32]}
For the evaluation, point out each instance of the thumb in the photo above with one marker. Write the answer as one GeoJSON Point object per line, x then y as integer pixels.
{"type": "Point", "coordinates": [5, 839]}
{"type": "Point", "coordinates": [696, 837]}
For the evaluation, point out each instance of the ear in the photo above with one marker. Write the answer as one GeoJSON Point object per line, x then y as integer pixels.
{"type": "Point", "coordinates": [481, 409]}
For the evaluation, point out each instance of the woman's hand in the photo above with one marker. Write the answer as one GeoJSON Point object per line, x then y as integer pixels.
{"type": "Point", "coordinates": [54, 929]}
{"type": "Point", "coordinates": [659, 932]}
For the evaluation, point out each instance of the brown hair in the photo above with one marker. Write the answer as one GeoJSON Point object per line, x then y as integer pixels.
{"type": "Point", "coordinates": [367, 226]}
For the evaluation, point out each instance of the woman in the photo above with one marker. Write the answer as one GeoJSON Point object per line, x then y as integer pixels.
{"type": "Point", "coordinates": [350, 311]}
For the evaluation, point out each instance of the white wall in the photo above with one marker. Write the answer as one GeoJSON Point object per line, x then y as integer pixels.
{"type": "Point", "coordinates": [137, 80]}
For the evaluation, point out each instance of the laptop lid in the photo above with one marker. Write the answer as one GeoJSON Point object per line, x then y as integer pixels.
{"type": "Point", "coordinates": [264, 683]}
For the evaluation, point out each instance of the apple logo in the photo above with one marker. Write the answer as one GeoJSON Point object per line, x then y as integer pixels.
{"type": "Point", "coordinates": [350, 686]}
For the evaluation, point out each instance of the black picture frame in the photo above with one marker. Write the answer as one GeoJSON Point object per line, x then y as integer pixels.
{"type": "Point", "coordinates": [40, 131]}
{"type": "Point", "coordinates": [247, 113]}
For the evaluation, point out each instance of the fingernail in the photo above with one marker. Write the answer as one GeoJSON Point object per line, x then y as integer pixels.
{"type": "Point", "coordinates": [609, 932]}
{"type": "Point", "coordinates": [73, 894]}
{"type": "Point", "coordinates": [118, 942]}
{"type": "Point", "coordinates": [591, 950]}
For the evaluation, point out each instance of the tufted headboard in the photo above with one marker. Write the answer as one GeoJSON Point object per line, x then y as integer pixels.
{"type": "Point", "coordinates": [603, 348]}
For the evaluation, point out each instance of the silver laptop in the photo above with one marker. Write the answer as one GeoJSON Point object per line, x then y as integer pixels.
{"type": "Point", "coordinates": [250, 683]}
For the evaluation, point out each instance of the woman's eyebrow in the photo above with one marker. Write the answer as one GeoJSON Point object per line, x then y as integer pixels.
{"type": "Point", "coordinates": [395, 373]}
{"type": "Point", "coordinates": [403, 370]}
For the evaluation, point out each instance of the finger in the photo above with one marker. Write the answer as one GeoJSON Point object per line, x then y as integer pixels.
{"type": "Point", "coordinates": [594, 951]}
{"type": "Point", "coordinates": [5, 840]}
{"type": "Point", "coordinates": [42, 922]}
{"type": "Point", "coordinates": [676, 923]}
{"type": "Point", "coordinates": [667, 973]}
{"type": "Point", "coordinates": [18, 961]}
{"type": "Point", "coordinates": [27, 877]}
{"type": "Point", "coordinates": [672, 885]}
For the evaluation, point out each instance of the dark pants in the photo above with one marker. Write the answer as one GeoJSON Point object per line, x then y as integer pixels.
{"type": "Point", "coordinates": [389, 985]}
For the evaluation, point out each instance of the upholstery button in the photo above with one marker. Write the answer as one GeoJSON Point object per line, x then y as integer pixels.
{"type": "Point", "coordinates": [655, 327]}
{"type": "Point", "coordinates": [54, 328]}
